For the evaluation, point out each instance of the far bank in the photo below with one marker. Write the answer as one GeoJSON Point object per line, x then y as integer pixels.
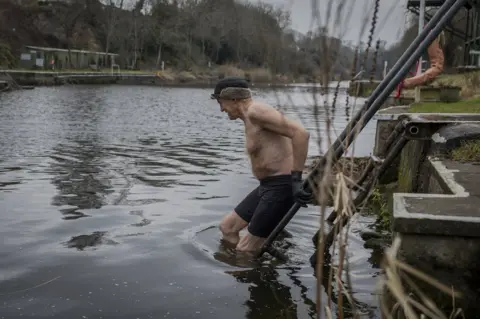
{"type": "Point", "coordinates": [257, 77]}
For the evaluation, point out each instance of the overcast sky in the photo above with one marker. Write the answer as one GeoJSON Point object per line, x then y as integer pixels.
{"type": "Point", "coordinates": [390, 26]}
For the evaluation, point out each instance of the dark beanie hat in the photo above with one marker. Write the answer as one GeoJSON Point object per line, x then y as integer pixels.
{"type": "Point", "coordinates": [227, 83]}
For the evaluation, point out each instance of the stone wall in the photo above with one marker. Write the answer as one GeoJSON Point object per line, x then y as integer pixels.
{"type": "Point", "coordinates": [440, 231]}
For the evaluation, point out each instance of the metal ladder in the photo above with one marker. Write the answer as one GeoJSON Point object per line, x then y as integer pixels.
{"type": "Point", "coordinates": [423, 40]}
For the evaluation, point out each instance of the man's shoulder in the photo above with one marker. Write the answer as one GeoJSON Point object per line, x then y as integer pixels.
{"type": "Point", "coordinates": [260, 109]}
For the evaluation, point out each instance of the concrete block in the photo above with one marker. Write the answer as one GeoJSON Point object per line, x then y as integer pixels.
{"type": "Point", "coordinates": [456, 213]}
{"type": "Point", "coordinates": [437, 94]}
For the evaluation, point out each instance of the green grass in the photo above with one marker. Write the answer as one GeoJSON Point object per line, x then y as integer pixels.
{"type": "Point", "coordinates": [378, 205]}
{"type": "Point", "coordinates": [463, 106]}
{"type": "Point", "coordinates": [469, 151]}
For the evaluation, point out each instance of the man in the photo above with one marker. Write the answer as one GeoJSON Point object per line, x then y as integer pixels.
{"type": "Point", "coordinates": [277, 147]}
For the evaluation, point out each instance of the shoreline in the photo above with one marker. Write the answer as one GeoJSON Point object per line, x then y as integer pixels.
{"type": "Point", "coordinates": [53, 78]}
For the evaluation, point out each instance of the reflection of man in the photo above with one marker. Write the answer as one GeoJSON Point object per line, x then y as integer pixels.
{"type": "Point", "coordinates": [268, 297]}
{"type": "Point", "coordinates": [277, 147]}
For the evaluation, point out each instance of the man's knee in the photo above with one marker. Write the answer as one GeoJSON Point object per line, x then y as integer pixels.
{"type": "Point", "coordinates": [232, 224]}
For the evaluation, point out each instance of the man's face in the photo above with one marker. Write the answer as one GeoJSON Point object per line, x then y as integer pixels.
{"type": "Point", "coordinates": [229, 107]}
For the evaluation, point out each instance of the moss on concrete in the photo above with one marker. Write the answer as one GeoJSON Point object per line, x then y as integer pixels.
{"type": "Point", "coordinates": [464, 106]}
{"type": "Point", "coordinates": [411, 160]}
{"type": "Point", "coordinates": [380, 203]}
{"type": "Point", "coordinates": [405, 177]}
{"type": "Point", "coordinates": [377, 204]}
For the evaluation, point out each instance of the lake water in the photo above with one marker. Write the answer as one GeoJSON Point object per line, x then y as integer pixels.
{"type": "Point", "coordinates": [110, 200]}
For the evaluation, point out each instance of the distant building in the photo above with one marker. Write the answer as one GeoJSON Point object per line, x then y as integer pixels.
{"type": "Point", "coordinates": [34, 57]}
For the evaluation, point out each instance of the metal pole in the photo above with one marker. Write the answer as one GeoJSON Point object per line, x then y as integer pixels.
{"type": "Point", "coordinates": [465, 44]}
{"type": "Point", "coordinates": [400, 69]}
{"type": "Point", "coordinates": [421, 22]}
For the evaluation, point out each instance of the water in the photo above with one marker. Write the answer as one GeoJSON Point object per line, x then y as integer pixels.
{"type": "Point", "coordinates": [110, 197]}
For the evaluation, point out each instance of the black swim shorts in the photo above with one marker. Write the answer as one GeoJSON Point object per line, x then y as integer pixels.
{"type": "Point", "coordinates": [267, 204]}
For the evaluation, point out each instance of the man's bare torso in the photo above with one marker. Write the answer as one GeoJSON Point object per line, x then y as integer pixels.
{"type": "Point", "coordinates": [270, 153]}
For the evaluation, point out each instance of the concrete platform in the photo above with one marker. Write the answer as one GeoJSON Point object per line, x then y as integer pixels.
{"type": "Point", "coordinates": [453, 211]}
{"type": "Point", "coordinates": [401, 111]}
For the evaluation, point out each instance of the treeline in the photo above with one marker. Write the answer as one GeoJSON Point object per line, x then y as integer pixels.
{"type": "Point", "coordinates": [193, 33]}
{"type": "Point", "coordinates": [188, 34]}
{"type": "Point", "coordinates": [184, 34]}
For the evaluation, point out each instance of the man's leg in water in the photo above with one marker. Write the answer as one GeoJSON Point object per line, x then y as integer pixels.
{"type": "Point", "coordinates": [239, 218]}
{"type": "Point", "coordinates": [275, 201]}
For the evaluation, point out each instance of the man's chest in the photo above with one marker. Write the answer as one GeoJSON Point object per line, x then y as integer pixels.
{"type": "Point", "coordinates": [254, 139]}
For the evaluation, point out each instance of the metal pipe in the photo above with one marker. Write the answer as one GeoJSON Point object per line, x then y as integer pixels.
{"type": "Point", "coordinates": [421, 23]}
{"type": "Point", "coordinates": [465, 45]}
{"type": "Point", "coordinates": [399, 128]}
{"type": "Point", "coordinates": [399, 70]}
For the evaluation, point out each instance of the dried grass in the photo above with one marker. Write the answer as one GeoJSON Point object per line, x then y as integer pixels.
{"type": "Point", "coordinates": [227, 70]}
{"type": "Point", "coordinates": [259, 75]}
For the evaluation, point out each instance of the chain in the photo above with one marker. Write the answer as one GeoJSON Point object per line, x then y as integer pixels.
{"type": "Point", "coordinates": [352, 74]}
{"type": "Point", "coordinates": [372, 30]}
{"type": "Point", "coordinates": [374, 63]}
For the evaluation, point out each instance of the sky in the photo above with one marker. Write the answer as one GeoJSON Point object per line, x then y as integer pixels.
{"type": "Point", "coordinates": [390, 25]}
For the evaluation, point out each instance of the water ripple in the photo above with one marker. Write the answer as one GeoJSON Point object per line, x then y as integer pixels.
{"type": "Point", "coordinates": [118, 191]}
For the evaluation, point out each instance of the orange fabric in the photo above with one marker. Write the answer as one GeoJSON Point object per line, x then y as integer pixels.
{"type": "Point", "coordinates": [436, 57]}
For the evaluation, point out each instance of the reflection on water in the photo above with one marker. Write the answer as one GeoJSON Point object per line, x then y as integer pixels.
{"type": "Point", "coordinates": [268, 297]}
{"type": "Point", "coordinates": [77, 174]}
{"type": "Point", "coordinates": [117, 191]}
{"type": "Point", "coordinates": [82, 242]}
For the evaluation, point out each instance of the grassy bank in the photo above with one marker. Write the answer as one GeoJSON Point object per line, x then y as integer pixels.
{"type": "Point", "coordinates": [471, 105]}
{"type": "Point", "coordinates": [469, 82]}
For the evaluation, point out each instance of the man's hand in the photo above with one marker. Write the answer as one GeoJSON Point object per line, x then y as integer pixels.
{"type": "Point", "coordinates": [299, 194]}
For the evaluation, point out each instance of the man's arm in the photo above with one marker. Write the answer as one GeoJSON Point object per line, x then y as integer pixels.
{"type": "Point", "coordinates": [270, 119]}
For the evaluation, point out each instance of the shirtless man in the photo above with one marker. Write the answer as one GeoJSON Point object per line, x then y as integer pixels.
{"type": "Point", "coordinates": [277, 148]}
